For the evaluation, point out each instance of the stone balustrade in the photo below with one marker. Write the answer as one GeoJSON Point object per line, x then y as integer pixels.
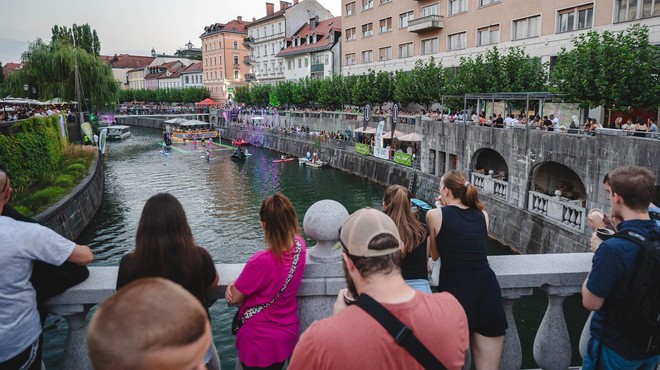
{"type": "Point", "coordinates": [567, 212]}
{"type": "Point", "coordinates": [488, 185]}
{"type": "Point", "coordinates": [558, 275]}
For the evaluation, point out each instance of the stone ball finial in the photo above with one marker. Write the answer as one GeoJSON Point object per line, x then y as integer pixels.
{"type": "Point", "coordinates": [321, 223]}
{"type": "Point", "coordinates": [491, 172]}
{"type": "Point", "coordinates": [558, 193]}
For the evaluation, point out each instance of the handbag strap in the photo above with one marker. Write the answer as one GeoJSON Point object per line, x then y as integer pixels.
{"type": "Point", "coordinates": [402, 334]}
{"type": "Point", "coordinates": [256, 309]}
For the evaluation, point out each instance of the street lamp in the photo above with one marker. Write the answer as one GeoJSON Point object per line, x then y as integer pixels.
{"type": "Point", "coordinates": [34, 92]}
{"type": "Point", "coordinates": [26, 87]}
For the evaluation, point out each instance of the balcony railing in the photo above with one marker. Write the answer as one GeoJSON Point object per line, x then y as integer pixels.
{"type": "Point", "coordinates": [247, 42]}
{"type": "Point", "coordinates": [430, 22]}
{"type": "Point", "coordinates": [489, 185]}
{"type": "Point", "coordinates": [247, 61]}
{"type": "Point", "coordinates": [249, 77]}
{"type": "Point", "coordinates": [558, 275]}
{"type": "Point", "coordinates": [317, 67]}
{"type": "Point", "coordinates": [568, 212]}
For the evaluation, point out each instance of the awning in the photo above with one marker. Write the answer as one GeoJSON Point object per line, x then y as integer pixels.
{"type": "Point", "coordinates": [411, 137]}
{"type": "Point", "coordinates": [397, 134]}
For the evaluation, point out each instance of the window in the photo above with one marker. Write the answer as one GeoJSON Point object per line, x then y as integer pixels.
{"type": "Point", "coordinates": [235, 45]}
{"type": "Point", "coordinates": [187, 80]}
{"type": "Point", "coordinates": [526, 27]}
{"type": "Point", "coordinates": [488, 35]}
{"type": "Point", "coordinates": [235, 75]}
{"type": "Point", "coordinates": [488, 2]}
{"type": "Point", "coordinates": [430, 46]}
{"type": "Point", "coordinates": [299, 63]}
{"type": "Point", "coordinates": [385, 1]}
{"type": "Point", "coordinates": [272, 29]}
{"type": "Point", "coordinates": [457, 6]}
{"type": "Point", "coordinates": [367, 56]}
{"type": "Point", "coordinates": [367, 4]}
{"type": "Point", "coordinates": [577, 18]}
{"type": "Point", "coordinates": [288, 65]}
{"type": "Point", "coordinates": [406, 50]}
{"type": "Point", "coordinates": [235, 59]}
{"type": "Point", "coordinates": [350, 9]}
{"type": "Point", "coordinates": [350, 59]}
{"type": "Point", "coordinates": [404, 18]}
{"type": "Point", "coordinates": [367, 30]}
{"type": "Point", "coordinates": [306, 62]}
{"type": "Point", "coordinates": [215, 61]}
{"type": "Point", "coordinates": [386, 25]}
{"type": "Point", "coordinates": [385, 53]}
{"type": "Point", "coordinates": [456, 41]}
{"type": "Point", "coordinates": [628, 10]}
{"type": "Point", "coordinates": [431, 10]}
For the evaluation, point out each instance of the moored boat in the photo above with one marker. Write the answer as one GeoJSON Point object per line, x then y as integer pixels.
{"type": "Point", "coordinates": [190, 130]}
{"type": "Point", "coordinates": [240, 142]}
{"type": "Point", "coordinates": [314, 164]}
{"type": "Point", "coordinates": [116, 132]}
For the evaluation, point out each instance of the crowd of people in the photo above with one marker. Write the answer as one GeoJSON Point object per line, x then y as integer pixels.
{"type": "Point", "coordinates": [19, 112]}
{"type": "Point", "coordinates": [159, 317]}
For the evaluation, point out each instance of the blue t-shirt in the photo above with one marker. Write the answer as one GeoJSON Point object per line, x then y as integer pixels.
{"type": "Point", "coordinates": [610, 276]}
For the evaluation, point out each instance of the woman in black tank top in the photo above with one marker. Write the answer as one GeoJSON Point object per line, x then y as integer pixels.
{"type": "Point", "coordinates": [459, 235]}
{"type": "Point", "coordinates": [397, 205]}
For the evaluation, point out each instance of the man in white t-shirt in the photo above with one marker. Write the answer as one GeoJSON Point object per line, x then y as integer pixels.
{"type": "Point", "coordinates": [555, 122]}
{"type": "Point", "coordinates": [21, 244]}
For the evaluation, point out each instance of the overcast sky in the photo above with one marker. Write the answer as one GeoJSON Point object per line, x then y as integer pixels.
{"type": "Point", "coordinates": [125, 26]}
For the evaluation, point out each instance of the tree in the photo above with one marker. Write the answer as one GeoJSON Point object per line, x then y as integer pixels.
{"type": "Point", "coordinates": [382, 88]}
{"type": "Point", "coordinates": [84, 37]}
{"type": "Point", "coordinates": [242, 94]}
{"type": "Point", "coordinates": [50, 68]}
{"type": "Point", "coordinates": [329, 95]}
{"type": "Point", "coordinates": [614, 70]}
{"type": "Point", "coordinates": [404, 87]}
{"type": "Point", "coordinates": [429, 82]}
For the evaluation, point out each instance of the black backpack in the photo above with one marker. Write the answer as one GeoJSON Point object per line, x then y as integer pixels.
{"type": "Point", "coordinates": [638, 314]}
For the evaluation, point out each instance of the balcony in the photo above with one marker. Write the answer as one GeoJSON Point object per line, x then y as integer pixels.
{"type": "Point", "coordinates": [487, 184]}
{"type": "Point", "coordinates": [249, 77]}
{"type": "Point", "coordinates": [248, 42]}
{"type": "Point", "coordinates": [247, 61]}
{"type": "Point", "coordinates": [317, 67]}
{"type": "Point", "coordinates": [570, 213]}
{"type": "Point", "coordinates": [428, 23]}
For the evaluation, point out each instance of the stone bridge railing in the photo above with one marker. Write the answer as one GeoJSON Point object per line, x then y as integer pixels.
{"type": "Point", "coordinates": [567, 212]}
{"type": "Point", "coordinates": [488, 185]}
{"type": "Point", "coordinates": [558, 275]}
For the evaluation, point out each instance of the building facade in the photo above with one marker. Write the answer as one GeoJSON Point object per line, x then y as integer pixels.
{"type": "Point", "coordinates": [222, 58]}
{"type": "Point", "coordinates": [314, 51]}
{"type": "Point", "coordinates": [267, 37]}
{"type": "Point", "coordinates": [391, 35]}
{"type": "Point", "coordinates": [192, 76]}
{"type": "Point", "coordinates": [122, 64]}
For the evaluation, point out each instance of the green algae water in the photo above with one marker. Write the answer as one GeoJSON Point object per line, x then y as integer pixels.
{"type": "Point", "coordinates": [222, 200]}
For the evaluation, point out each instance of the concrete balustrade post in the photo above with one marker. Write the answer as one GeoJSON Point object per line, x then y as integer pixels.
{"type": "Point", "coordinates": [76, 356]}
{"type": "Point", "coordinates": [512, 352]}
{"type": "Point", "coordinates": [321, 223]}
{"type": "Point", "coordinates": [552, 344]}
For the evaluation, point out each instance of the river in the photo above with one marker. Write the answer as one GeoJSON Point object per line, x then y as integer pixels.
{"type": "Point", "coordinates": [222, 199]}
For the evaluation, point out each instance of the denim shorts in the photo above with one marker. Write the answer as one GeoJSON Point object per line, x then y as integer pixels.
{"type": "Point", "coordinates": [612, 360]}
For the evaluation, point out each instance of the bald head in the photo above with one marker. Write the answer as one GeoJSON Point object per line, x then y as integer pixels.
{"type": "Point", "coordinates": [150, 323]}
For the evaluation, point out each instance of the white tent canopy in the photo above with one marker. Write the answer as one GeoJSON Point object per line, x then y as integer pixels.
{"type": "Point", "coordinates": [413, 136]}
{"type": "Point", "coordinates": [397, 134]}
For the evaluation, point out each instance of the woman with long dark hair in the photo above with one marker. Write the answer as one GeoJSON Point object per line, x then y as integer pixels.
{"type": "Point", "coordinates": [459, 236]}
{"type": "Point", "coordinates": [165, 247]}
{"type": "Point", "coordinates": [267, 288]}
{"type": "Point", "coordinates": [397, 205]}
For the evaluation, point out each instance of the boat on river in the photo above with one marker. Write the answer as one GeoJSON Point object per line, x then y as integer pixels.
{"type": "Point", "coordinates": [315, 164]}
{"type": "Point", "coordinates": [180, 131]}
{"type": "Point", "coordinates": [284, 159]}
{"type": "Point", "coordinates": [116, 132]}
{"type": "Point", "coordinates": [240, 142]}
{"type": "Point", "coordinates": [238, 155]}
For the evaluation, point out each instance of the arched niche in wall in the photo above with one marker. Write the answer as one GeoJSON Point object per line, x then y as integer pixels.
{"type": "Point", "coordinates": [486, 160]}
{"type": "Point", "coordinates": [548, 177]}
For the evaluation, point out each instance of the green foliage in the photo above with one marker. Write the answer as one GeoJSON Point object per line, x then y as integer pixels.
{"type": "Point", "coordinates": [46, 196]}
{"type": "Point", "coordinates": [84, 37]}
{"type": "Point", "coordinates": [242, 95]}
{"type": "Point", "coordinates": [260, 95]}
{"type": "Point", "coordinates": [187, 95]}
{"type": "Point", "coordinates": [50, 68]}
{"type": "Point", "coordinates": [75, 169]}
{"type": "Point", "coordinates": [616, 70]}
{"type": "Point", "coordinates": [64, 181]}
{"type": "Point", "coordinates": [24, 210]}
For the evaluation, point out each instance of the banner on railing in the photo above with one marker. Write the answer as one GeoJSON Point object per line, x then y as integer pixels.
{"type": "Point", "coordinates": [380, 152]}
{"type": "Point", "coordinates": [403, 158]}
{"type": "Point", "coordinates": [362, 148]}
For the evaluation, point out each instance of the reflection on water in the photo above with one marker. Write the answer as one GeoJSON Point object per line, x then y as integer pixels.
{"type": "Point", "coordinates": [222, 199]}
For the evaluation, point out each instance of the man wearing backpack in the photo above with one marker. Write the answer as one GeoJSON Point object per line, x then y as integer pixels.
{"type": "Point", "coordinates": [616, 274]}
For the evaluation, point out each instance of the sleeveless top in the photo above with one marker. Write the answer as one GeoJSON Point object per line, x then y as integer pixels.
{"type": "Point", "coordinates": [414, 264]}
{"type": "Point", "coordinates": [463, 236]}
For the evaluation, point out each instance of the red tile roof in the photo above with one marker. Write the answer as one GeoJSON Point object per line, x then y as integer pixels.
{"type": "Point", "coordinates": [127, 60]}
{"type": "Point", "coordinates": [10, 67]}
{"type": "Point", "coordinates": [322, 32]}
{"type": "Point", "coordinates": [195, 67]}
{"type": "Point", "coordinates": [235, 26]}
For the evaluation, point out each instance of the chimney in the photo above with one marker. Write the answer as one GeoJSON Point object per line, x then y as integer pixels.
{"type": "Point", "coordinates": [313, 22]}
{"type": "Point", "coordinates": [239, 18]}
{"type": "Point", "coordinates": [270, 9]}
{"type": "Point", "coordinates": [284, 5]}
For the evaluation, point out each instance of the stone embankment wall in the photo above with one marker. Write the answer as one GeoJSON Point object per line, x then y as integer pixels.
{"type": "Point", "coordinates": [70, 216]}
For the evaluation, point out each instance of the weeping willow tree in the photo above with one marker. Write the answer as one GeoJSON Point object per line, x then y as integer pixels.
{"type": "Point", "coordinates": [50, 69]}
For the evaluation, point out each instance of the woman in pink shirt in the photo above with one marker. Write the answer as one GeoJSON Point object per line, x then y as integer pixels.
{"type": "Point", "coordinates": [266, 339]}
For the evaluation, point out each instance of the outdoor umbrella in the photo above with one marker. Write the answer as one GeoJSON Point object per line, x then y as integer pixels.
{"type": "Point", "coordinates": [413, 136]}
{"type": "Point", "coordinates": [176, 121]}
{"type": "Point", "coordinates": [397, 134]}
{"type": "Point", "coordinates": [207, 101]}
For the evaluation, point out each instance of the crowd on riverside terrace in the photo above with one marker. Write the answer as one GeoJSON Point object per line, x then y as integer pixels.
{"type": "Point", "coordinates": [159, 108]}
{"type": "Point", "coordinates": [19, 112]}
